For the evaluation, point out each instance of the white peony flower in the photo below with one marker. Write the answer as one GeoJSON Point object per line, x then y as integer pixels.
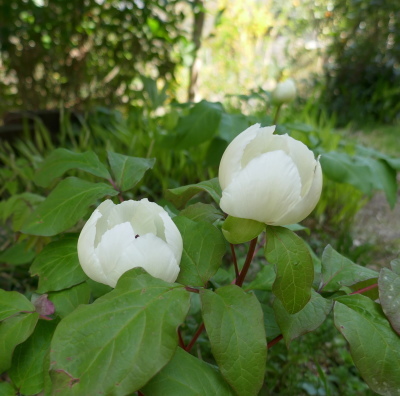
{"type": "Point", "coordinates": [269, 178]}
{"type": "Point", "coordinates": [117, 238]}
{"type": "Point", "coordinates": [284, 92]}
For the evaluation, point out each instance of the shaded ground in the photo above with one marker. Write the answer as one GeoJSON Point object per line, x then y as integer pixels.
{"type": "Point", "coordinates": [379, 226]}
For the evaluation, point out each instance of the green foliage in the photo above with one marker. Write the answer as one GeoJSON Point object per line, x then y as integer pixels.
{"type": "Point", "coordinates": [308, 319]}
{"type": "Point", "coordinates": [203, 249]}
{"type": "Point", "coordinates": [126, 339]}
{"type": "Point", "coordinates": [57, 266]}
{"type": "Point", "coordinates": [362, 79]}
{"type": "Point", "coordinates": [226, 315]}
{"type": "Point", "coordinates": [374, 346]}
{"type": "Point", "coordinates": [237, 230]}
{"type": "Point", "coordinates": [293, 266]}
{"type": "Point", "coordinates": [83, 52]}
{"type": "Point", "coordinates": [389, 296]}
{"type": "Point", "coordinates": [142, 309]}
{"type": "Point", "coordinates": [65, 205]}
{"type": "Point", "coordinates": [185, 375]}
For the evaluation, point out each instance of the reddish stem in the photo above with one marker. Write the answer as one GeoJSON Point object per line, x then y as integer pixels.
{"type": "Point", "coordinates": [112, 182]}
{"type": "Point", "coordinates": [365, 289]}
{"type": "Point", "coordinates": [235, 261]}
{"type": "Point", "coordinates": [195, 337]}
{"type": "Point", "coordinates": [250, 254]}
{"type": "Point", "coordinates": [192, 289]}
{"type": "Point", "coordinates": [274, 341]}
{"type": "Point", "coordinates": [181, 343]}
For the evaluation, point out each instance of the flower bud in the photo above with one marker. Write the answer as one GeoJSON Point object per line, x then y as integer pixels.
{"type": "Point", "coordinates": [117, 238]}
{"type": "Point", "coordinates": [284, 92]}
{"type": "Point", "coordinates": [273, 179]}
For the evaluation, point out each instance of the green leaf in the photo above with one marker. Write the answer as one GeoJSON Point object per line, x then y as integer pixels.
{"type": "Point", "coordinates": [235, 327]}
{"type": "Point", "coordinates": [203, 249]}
{"type": "Point", "coordinates": [6, 389]}
{"type": "Point", "coordinates": [17, 254]}
{"type": "Point", "coordinates": [19, 207]}
{"type": "Point", "coordinates": [238, 230]}
{"type": "Point", "coordinates": [118, 343]}
{"type": "Point", "coordinates": [264, 279]}
{"type": "Point", "coordinates": [65, 205]}
{"type": "Point", "coordinates": [66, 301]}
{"type": "Point", "coordinates": [389, 296]}
{"type": "Point", "coordinates": [395, 266]}
{"type": "Point", "coordinates": [27, 371]}
{"type": "Point", "coordinates": [128, 171]}
{"type": "Point", "coordinates": [12, 303]}
{"type": "Point", "coordinates": [179, 196]}
{"type": "Point", "coordinates": [270, 325]}
{"type": "Point", "coordinates": [198, 126]}
{"type": "Point", "coordinates": [304, 321]}
{"type": "Point", "coordinates": [57, 266]}
{"type": "Point", "coordinates": [62, 160]}
{"type": "Point", "coordinates": [14, 331]}
{"type": "Point", "coordinates": [343, 168]}
{"type": "Point", "coordinates": [374, 346]}
{"type": "Point", "coordinates": [231, 125]}
{"type": "Point", "coordinates": [186, 375]}
{"type": "Point", "coordinates": [338, 271]}
{"type": "Point", "coordinates": [202, 212]}
{"type": "Point", "coordinates": [293, 265]}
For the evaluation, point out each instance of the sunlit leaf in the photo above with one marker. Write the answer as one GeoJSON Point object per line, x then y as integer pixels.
{"type": "Point", "coordinates": [61, 160]}
{"type": "Point", "coordinates": [57, 266]}
{"type": "Point", "coordinates": [65, 205]}
{"type": "Point", "coordinates": [128, 171]}
{"type": "Point", "coordinates": [179, 196]}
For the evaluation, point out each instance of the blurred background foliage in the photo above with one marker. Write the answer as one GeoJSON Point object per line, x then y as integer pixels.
{"type": "Point", "coordinates": [177, 80]}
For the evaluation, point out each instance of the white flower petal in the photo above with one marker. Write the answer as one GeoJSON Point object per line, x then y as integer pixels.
{"type": "Point", "coordinates": [263, 143]}
{"type": "Point", "coordinates": [150, 253]}
{"type": "Point", "coordinates": [102, 225]}
{"type": "Point", "coordinates": [308, 202]}
{"type": "Point", "coordinates": [173, 236]}
{"type": "Point", "coordinates": [264, 189]}
{"type": "Point", "coordinates": [305, 161]}
{"type": "Point", "coordinates": [231, 160]}
{"type": "Point", "coordinates": [86, 249]}
{"type": "Point", "coordinates": [111, 246]}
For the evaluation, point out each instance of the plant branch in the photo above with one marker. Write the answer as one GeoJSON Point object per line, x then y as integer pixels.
{"type": "Point", "coordinates": [250, 254]}
{"type": "Point", "coordinates": [234, 261]}
{"type": "Point", "coordinates": [375, 285]}
{"type": "Point", "coordinates": [181, 343]}
{"type": "Point", "coordinates": [195, 337]}
{"type": "Point", "coordinates": [192, 289]}
{"type": "Point", "coordinates": [112, 182]}
{"type": "Point", "coordinates": [274, 341]}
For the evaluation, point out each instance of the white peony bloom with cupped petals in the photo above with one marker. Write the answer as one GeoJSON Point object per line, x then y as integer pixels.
{"type": "Point", "coordinates": [117, 238]}
{"type": "Point", "coordinates": [273, 179]}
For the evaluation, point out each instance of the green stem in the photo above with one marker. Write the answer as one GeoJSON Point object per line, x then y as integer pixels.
{"type": "Point", "coordinates": [250, 254]}
{"type": "Point", "coordinates": [278, 108]}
